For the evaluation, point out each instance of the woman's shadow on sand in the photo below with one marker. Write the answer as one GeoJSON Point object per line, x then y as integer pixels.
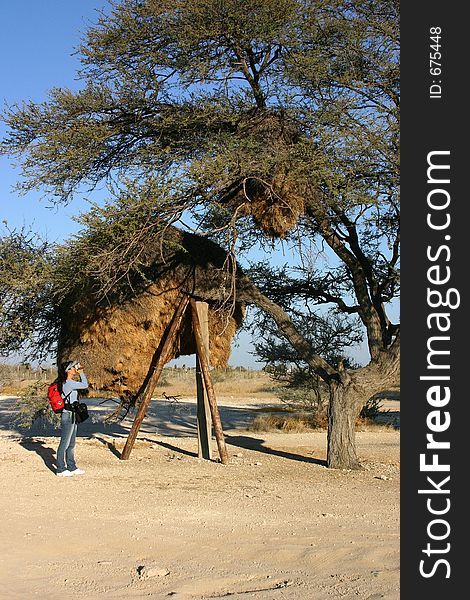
{"type": "Point", "coordinates": [47, 454]}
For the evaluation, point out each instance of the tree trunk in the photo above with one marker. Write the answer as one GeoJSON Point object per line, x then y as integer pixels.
{"type": "Point", "coordinates": [348, 396]}
{"type": "Point", "coordinates": [342, 414]}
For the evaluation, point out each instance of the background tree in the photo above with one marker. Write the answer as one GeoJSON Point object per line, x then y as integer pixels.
{"type": "Point", "coordinates": [25, 283]}
{"type": "Point", "coordinates": [251, 122]}
{"type": "Point", "coordinates": [330, 336]}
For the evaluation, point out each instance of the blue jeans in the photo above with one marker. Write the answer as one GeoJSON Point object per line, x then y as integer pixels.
{"type": "Point", "coordinates": [66, 449]}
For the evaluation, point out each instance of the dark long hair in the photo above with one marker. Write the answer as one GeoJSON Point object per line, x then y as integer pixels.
{"type": "Point", "coordinates": [61, 375]}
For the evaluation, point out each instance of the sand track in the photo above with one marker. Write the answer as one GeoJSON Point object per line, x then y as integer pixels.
{"type": "Point", "coordinates": [273, 524]}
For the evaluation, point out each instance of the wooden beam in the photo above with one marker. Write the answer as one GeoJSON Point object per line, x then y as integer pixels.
{"type": "Point", "coordinates": [204, 425]}
{"type": "Point", "coordinates": [219, 434]}
{"type": "Point", "coordinates": [154, 377]}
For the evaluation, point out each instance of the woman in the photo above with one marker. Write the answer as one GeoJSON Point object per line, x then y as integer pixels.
{"type": "Point", "coordinates": [68, 387]}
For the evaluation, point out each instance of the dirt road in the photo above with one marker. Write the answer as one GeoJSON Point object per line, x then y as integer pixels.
{"type": "Point", "coordinates": [273, 524]}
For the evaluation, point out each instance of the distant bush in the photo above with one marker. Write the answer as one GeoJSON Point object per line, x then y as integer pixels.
{"type": "Point", "coordinates": [308, 396]}
{"type": "Point", "coordinates": [305, 393]}
{"type": "Point", "coordinates": [371, 409]}
{"type": "Point", "coordinates": [288, 423]}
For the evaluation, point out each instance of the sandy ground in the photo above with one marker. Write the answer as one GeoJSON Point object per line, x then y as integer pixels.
{"type": "Point", "coordinates": [273, 524]}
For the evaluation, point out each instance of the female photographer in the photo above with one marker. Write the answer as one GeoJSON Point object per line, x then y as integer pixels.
{"type": "Point", "coordinates": [68, 387]}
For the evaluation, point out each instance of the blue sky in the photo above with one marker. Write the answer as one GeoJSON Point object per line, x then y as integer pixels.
{"type": "Point", "coordinates": [38, 39]}
{"type": "Point", "coordinates": [37, 44]}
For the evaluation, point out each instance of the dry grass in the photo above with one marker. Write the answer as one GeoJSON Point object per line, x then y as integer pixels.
{"type": "Point", "coordinates": [288, 423]}
{"type": "Point", "coordinates": [117, 338]}
{"type": "Point", "coordinates": [233, 383]}
{"type": "Point", "coordinates": [371, 425]}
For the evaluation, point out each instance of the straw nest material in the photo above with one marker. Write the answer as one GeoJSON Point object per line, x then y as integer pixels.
{"type": "Point", "coordinates": [274, 206]}
{"type": "Point", "coordinates": [116, 342]}
{"type": "Point", "coordinates": [270, 195]}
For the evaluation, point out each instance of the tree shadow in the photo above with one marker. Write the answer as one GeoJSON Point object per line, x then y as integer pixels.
{"type": "Point", "coordinates": [386, 395]}
{"type": "Point", "coordinates": [175, 448]}
{"type": "Point", "coordinates": [111, 447]}
{"type": "Point", "coordinates": [389, 417]}
{"type": "Point", "coordinates": [47, 454]}
{"type": "Point", "coordinates": [242, 441]}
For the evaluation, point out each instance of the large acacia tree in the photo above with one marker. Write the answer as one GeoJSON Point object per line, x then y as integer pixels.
{"type": "Point", "coordinates": [252, 121]}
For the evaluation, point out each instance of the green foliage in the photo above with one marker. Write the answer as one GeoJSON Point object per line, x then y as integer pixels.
{"type": "Point", "coordinates": [112, 250]}
{"type": "Point", "coordinates": [310, 396]}
{"type": "Point", "coordinates": [27, 313]}
{"type": "Point", "coordinates": [306, 394]}
{"type": "Point", "coordinates": [302, 390]}
{"type": "Point", "coordinates": [41, 282]}
{"type": "Point", "coordinates": [34, 407]}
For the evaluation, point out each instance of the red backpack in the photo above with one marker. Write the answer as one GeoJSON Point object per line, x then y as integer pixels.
{"type": "Point", "coordinates": [55, 398]}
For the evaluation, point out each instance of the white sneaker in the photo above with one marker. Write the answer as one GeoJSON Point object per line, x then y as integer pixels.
{"type": "Point", "coordinates": [77, 472]}
{"type": "Point", "coordinates": [64, 474]}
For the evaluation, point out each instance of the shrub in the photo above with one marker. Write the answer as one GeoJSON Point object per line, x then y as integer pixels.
{"type": "Point", "coordinates": [288, 423]}
{"type": "Point", "coordinates": [34, 406]}
{"type": "Point", "coordinates": [371, 409]}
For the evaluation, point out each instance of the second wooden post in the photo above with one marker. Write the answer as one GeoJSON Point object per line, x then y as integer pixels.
{"type": "Point", "coordinates": [204, 362]}
{"type": "Point", "coordinates": [204, 425]}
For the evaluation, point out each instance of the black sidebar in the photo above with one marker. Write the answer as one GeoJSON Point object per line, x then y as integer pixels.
{"type": "Point", "coordinates": [435, 369]}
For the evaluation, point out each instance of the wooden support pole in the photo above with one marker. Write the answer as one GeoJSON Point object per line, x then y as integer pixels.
{"type": "Point", "coordinates": [204, 425]}
{"type": "Point", "coordinates": [219, 434]}
{"type": "Point", "coordinates": [153, 380]}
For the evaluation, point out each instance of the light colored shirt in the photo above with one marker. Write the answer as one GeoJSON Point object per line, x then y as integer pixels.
{"type": "Point", "coordinates": [71, 386]}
